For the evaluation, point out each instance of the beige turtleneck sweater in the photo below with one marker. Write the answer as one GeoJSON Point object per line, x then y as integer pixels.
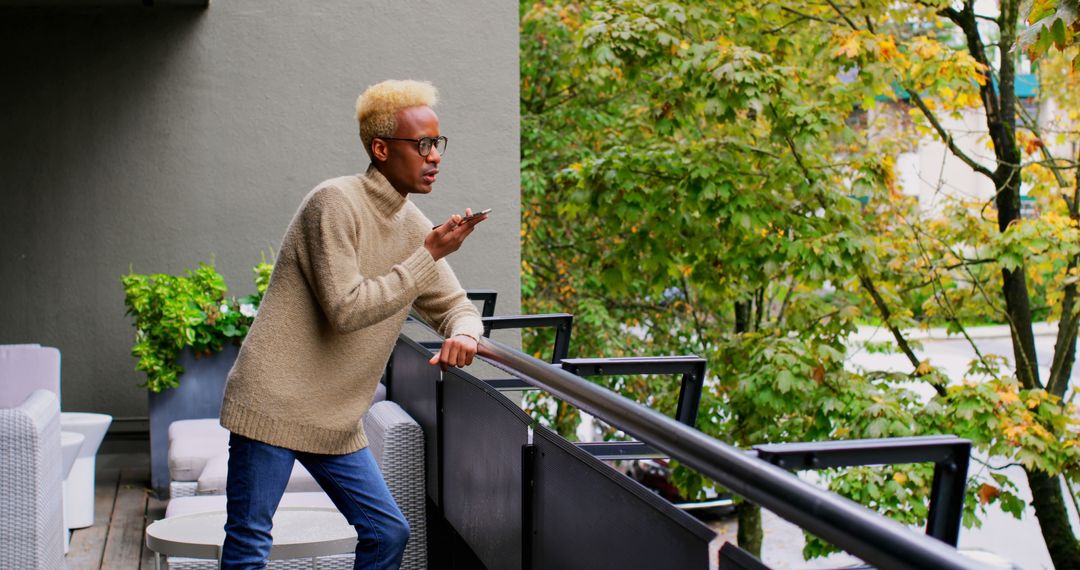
{"type": "Point", "coordinates": [351, 265]}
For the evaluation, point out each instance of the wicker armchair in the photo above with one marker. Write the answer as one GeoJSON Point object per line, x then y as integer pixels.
{"type": "Point", "coordinates": [397, 442]}
{"type": "Point", "coordinates": [31, 501]}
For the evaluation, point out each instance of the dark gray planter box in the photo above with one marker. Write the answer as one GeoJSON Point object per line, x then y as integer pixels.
{"type": "Point", "coordinates": [198, 396]}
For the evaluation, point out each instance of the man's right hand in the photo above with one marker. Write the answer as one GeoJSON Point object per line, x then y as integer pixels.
{"type": "Point", "coordinates": [448, 236]}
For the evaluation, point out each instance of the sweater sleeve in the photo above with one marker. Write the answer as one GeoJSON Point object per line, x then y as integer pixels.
{"type": "Point", "coordinates": [444, 304]}
{"type": "Point", "coordinates": [350, 300]}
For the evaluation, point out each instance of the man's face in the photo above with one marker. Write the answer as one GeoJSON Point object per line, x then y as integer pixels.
{"type": "Point", "coordinates": [400, 162]}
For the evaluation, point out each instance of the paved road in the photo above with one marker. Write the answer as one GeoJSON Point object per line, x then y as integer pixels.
{"type": "Point", "coordinates": [952, 354]}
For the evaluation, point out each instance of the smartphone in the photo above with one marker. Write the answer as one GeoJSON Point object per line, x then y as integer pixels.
{"type": "Point", "coordinates": [476, 214]}
{"type": "Point", "coordinates": [467, 218]}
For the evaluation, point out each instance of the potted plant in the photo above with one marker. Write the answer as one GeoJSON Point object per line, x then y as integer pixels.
{"type": "Point", "coordinates": [187, 334]}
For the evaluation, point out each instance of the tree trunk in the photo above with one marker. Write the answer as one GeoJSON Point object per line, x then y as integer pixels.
{"type": "Point", "coordinates": [1002, 128]}
{"type": "Point", "coordinates": [743, 316]}
{"type": "Point", "coordinates": [567, 419]}
{"type": "Point", "coordinates": [750, 534]}
{"type": "Point", "coordinates": [999, 105]}
{"type": "Point", "coordinates": [1018, 309]}
{"type": "Point", "coordinates": [1045, 490]}
{"type": "Point", "coordinates": [1054, 520]}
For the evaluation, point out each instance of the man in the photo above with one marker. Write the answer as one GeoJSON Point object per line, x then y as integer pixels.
{"type": "Point", "coordinates": [356, 256]}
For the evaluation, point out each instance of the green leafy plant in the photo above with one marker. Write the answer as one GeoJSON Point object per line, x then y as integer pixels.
{"type": "Point", "coordinates": [174, 312]}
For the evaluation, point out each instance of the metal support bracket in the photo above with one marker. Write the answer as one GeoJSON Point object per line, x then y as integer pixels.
{"type": "Point", "coordinates": [950, 455]}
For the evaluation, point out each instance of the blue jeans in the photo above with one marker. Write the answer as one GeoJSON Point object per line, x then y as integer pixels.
{"type": "Point", "coordinates": [258, 474]}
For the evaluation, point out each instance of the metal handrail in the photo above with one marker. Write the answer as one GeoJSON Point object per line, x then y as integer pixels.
{"type": "Point", "coordinates": [837, 520]}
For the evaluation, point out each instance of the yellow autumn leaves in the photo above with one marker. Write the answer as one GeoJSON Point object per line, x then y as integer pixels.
{"type": "Point", "coordinates": [920, 62]}
{"type": "Point", "coordinates": [1016, 418]}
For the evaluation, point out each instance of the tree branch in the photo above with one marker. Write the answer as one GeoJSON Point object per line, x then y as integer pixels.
{"type": "Point", "coordinates": [991, 467]}
{"type": "Point", "coordinates": [806, 16]}
{"type": "Point", "coordinates": [1072, 494]}
{"type": "Point", "coordinates": [781, 27]}
{"type": "Point", "coordinates": [697, 320]}
{"type": "Point", "coordinates": [965, 20]}
{"type": "Point", "coordinates": [1065, 343]}
{"type": "Point", "coordinates": [1029, 122]}
{"type": "Point", "coordinates": [886, 316]}
{"type": "Point", "coordinates": [842, 14]}
{"type": "Point", "coordinates": [946, 137]}
{"type": "Point", "coordinates": [1069, 325]}
{"type": "Point", "coordinates": [866, 18]}
{"type": "Point", "coordinates": [942, 298]}
{"type": "Point", "coordinates": [968, 263]}
{"type": "Point", "coordinates": [965, 263]}
{"type": "Point", "coordinates": [798, 159]}
{"type": "Point", "coordinates": [784, 302]}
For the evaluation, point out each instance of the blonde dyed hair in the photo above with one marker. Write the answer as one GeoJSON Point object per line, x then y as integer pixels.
{"type": "Point", "coordinates": [377, 106]}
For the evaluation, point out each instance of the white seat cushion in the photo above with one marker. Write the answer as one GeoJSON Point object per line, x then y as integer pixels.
{"type": "Point", "coordinates": [191, 444]}
{"type": "Point", "coordinates": [208, 503]}
{"type": "Point", "coordinates": [214, 475]}
{"type": "Point", "coordinates": [197, 427]}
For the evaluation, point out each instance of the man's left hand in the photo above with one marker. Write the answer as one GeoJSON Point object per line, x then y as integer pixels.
{"type": "Point", "coordinates": [457, 351]}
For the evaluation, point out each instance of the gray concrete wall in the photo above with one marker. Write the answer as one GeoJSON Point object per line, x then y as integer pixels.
{"type": "Point", "coordinates": [155, 138]}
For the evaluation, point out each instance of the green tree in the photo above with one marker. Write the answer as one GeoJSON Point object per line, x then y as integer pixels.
{"type": "Point", "coordinates": [1015, 256]}
{"type": "Point", "coordinates": [716, 179]}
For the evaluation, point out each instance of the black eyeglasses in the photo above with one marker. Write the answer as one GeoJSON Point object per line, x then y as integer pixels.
{"type": "Point", "coordinates": [423, 145]}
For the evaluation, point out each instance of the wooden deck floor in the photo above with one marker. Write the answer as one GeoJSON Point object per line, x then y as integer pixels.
{"type": "Point", "coordinates": [123, 506]}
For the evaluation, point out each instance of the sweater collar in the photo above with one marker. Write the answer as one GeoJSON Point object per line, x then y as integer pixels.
{"type": "Point", "coordinates": [388, 200]}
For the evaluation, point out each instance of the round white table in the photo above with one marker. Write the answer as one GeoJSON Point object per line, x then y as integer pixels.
{"type": "Point", "coordinates": [299, 532]}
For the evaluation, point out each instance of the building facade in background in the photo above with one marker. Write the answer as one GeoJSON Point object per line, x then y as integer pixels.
{"type": "Point", "coordinates": [153, 138]}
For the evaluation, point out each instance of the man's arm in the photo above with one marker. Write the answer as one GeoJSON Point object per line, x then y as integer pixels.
{"type": "Point", "coordinates": [349, 299]}
{"type": "Point", "coordinates": [444, 304]}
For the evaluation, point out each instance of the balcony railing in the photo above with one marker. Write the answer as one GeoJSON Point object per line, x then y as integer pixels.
{"type": "Point", "coordinates": [506, 492]}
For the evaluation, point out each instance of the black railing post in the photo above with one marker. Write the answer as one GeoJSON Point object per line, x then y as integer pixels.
{"type": "Point", "coordinates": [947, 495]}
{"type": "Point", "coordinates": [563, 323]}
{"type": "Point", "coordinates": [690, 395]}
{"type": "Point", "coordinates": [486, 297]}
{"type": "Point", "coordinates": [562, 341]}
{"type": "Point", "coordinates": [690, 368]}
{"type": "Point", "coordinates": [949, 453]}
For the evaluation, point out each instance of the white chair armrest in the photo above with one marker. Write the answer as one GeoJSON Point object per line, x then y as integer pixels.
{"type": "Point", "coordinates": [31, 502]}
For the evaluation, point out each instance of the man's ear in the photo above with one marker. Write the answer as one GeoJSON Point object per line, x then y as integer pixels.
{"type": "Point", "coordinates": [380, 150]}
